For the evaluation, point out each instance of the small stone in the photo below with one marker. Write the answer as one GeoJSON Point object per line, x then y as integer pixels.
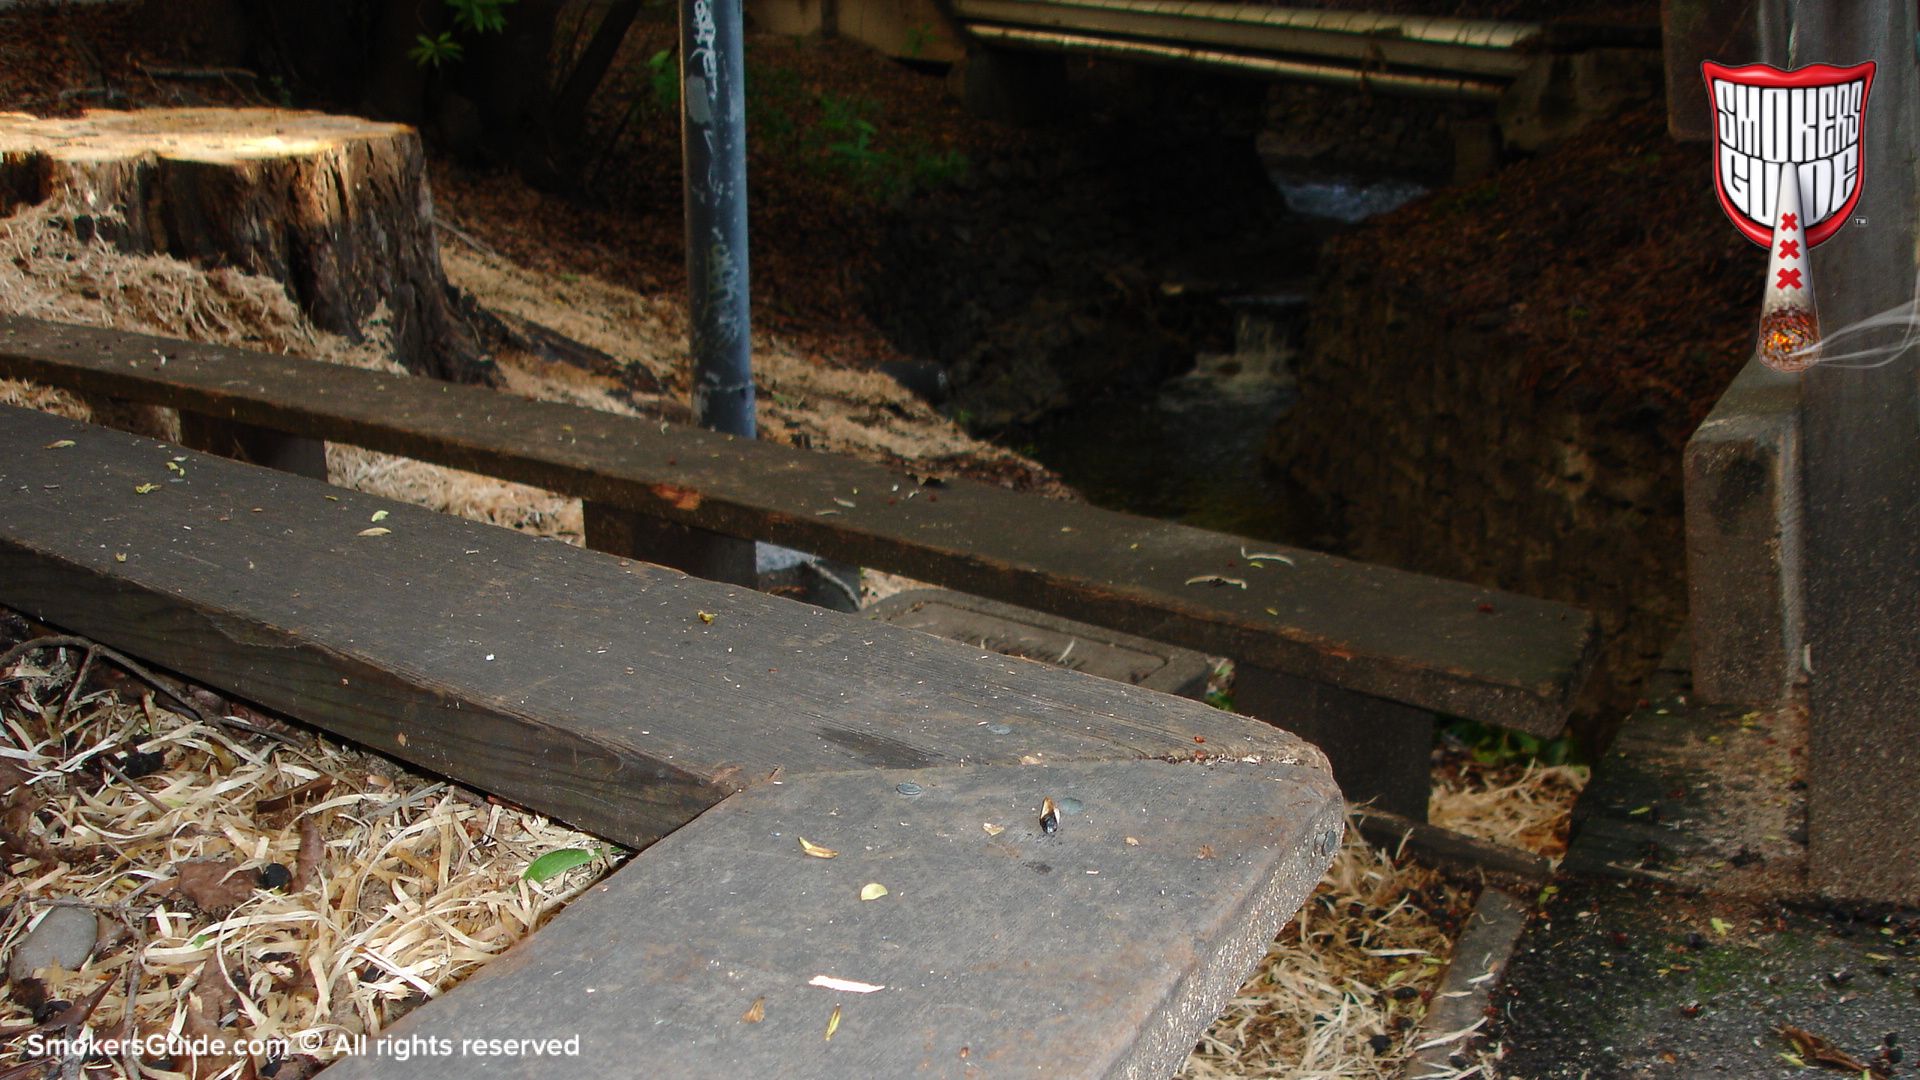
{"type": "Point", "coordinates": [64, 937]}
{"type": "Point", "coordinates": [909, 788]}
{"type": "Point", "coordinates": [1000, 729]}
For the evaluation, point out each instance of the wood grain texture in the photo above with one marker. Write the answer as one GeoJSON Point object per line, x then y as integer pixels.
{"type": "Point", "coordinates": [1441, 646]}
{"type": "Point", "coordinates": [335, 208]}
{"type": "Point", "coordinates": [1075, 954]}
{"type": "Point", "coordinates": [617, 696]}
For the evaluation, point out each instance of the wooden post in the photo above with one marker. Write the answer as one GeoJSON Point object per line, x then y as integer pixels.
{"type": "Point", "coordinates": [1381, 751]}
{"type": "Point", "coordinates": [1862, 484]}
{"type": "Point", "coordinates": [260, 446]}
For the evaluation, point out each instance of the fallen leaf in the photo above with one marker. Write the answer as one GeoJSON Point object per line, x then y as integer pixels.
{"type": "Point", "coordinates": [707, 617]}
{"type": "Point", "coordinates": [816, 850]}
{"type": "Point", "coordinates": [1133, 841]}
{"type": "Point", "coordinates": [145, 489]}
{"type": "Point", "coordinates": [376, 531]}
{"type": "Point", "coordinates": [174, 467]}
{"type": "Point", "coordinates": [756, 1012]}
{"type": "Point", "coordinates": [992, 829]}
{"type": "Point", "coordinates": [378, 516]}
{"type": "Point", "coordinates": [59, 444]}
{"type": "Point", "coordinates": [1720, 925]}
{"type": "Point", "coordinates": [1821, 1051]}
{"type": "Point", "coordinates": [119, 556]}
{"type": "Point", "coordinates": [554, 863]}
{"type": "Point", "coordinates": [849, 986]}
{"type": "Point", "coordinates": [213, 884]}
{"type": "Point", "coordinates": [872, 890]}
{"type": "Point", "coordinates": [833, 1024]}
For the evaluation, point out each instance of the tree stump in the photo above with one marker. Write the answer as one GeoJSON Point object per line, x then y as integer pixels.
{"type": "Point", "coordinates": [336, 208]}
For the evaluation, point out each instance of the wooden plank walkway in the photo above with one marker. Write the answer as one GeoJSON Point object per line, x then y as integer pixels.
{"type": "Point", "coordinates": [631, 700]}
{"type": "Point", "coordinates": [1436, 645]}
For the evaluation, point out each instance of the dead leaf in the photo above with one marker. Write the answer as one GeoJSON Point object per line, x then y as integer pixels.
{"type": "Point", "coordinates": [59, 444]}
{"type": "Point", "coordinates": [816, 850]}
{"type": "Point", "coordinates": [119, 556]}
{"type": "Point", "coordinates": [872, 890]}
{"type": "Point", "coordinates": [992, 829]}
{"type": "Point", "coordinates": [756, 1012]}
{"type": "Point", "coordinates": [144, 489]}
{"type": "Point", "coordinates": [214, 885]}
{"type": "Point", "coordinates": [376, 531]}
{"type": "Point", "coordinates": [707, 617]}
{"type": "Point", "coordinates": [313, 853]}
{"type": "Point", "coordinates": [833, 1024]}
{"type": "Point", "coordinates": [378, 516]}
{"type": "Point", "coordinates": [1133, 841]}
{"type": "Point", "coordinates": [1205, 852]}
{"type": "Point", "coordinates": [1822, 1051]}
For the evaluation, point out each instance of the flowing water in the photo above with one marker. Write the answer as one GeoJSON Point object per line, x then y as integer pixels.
{"type": "Point", "coordinates": [1190, 449]}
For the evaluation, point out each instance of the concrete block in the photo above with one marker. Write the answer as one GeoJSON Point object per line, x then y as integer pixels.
{"type": "Point", "coordinates": [1744, 544]}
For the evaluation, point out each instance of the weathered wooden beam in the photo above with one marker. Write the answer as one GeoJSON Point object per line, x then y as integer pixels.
{"type": "Point", "coordinates": [620, 697]}
{"type": "Point", "coordinates": [1439, 646]}
{"type": "Point", "coordinates": [1101, 950]}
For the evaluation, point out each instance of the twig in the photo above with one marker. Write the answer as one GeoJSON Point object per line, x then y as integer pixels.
{"type": "Point", "coordinates": [70, 641]}
{"type": "Point", "coordinates": [208, 73]}
{"type": "Point", "coordinates": [468, 238]}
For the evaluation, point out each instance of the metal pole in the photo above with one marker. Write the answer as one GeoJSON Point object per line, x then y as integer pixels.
{"type": "Point", "coordinates": [713, 147]}
{"type": "Point", "coordinates": [713, 154]}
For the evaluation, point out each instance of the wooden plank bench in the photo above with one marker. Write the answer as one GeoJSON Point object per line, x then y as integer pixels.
{"type": "Point", "coordinates": [1357, 658]}
{"type": "Point", "coordinates": [717, 725]}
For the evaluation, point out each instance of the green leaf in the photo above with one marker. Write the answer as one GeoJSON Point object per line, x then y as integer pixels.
{"type": "Point", "coordinates": [1720, 926]}
{"type": "Point", "coordinates": [554, 863]}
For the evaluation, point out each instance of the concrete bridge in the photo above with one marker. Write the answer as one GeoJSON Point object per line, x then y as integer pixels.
{"type": "Point", "coordinates": [1545, 78]}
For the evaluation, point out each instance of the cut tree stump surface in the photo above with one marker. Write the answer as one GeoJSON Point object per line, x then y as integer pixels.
{"type": "Point", "coordinates": [336, 208]}
{"type": "Point", "coordinates": [631, 700]}
{"type": "Point", "coordinates": [1436, 645]}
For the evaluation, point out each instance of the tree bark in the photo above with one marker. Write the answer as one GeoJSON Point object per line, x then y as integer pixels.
{"type": "Point", "coordinates": [335, 208]}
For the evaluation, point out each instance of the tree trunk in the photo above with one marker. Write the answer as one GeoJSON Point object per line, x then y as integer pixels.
{"type": "Point", "coordinates": [335, 208]}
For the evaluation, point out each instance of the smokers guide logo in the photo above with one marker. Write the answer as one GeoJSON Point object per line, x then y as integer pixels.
{"type": "Point", "coordinates": [1788, 166]}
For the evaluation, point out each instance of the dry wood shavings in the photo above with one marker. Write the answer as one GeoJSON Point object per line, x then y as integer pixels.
{"type": "Point", "coordinates": [288, 888]}
{"type": "Point", "coordinates": [1215, 579]}
{"type": "Point", "coordinates": [1324, 1004]}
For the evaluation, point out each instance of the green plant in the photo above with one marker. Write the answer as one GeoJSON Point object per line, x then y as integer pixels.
{"type": "Point", "coordinates": [663, 81]}
{"type": "Point", "coordinates": [472, 16]}
{"type": "Point", "coordinates": [480, 16]}
{"type": "Point", "coordinates": [919, 35]}
{"type": "Point", "coordinates": [1498, 746]}
{"type": "Point", "coordinates": [435, 51]}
